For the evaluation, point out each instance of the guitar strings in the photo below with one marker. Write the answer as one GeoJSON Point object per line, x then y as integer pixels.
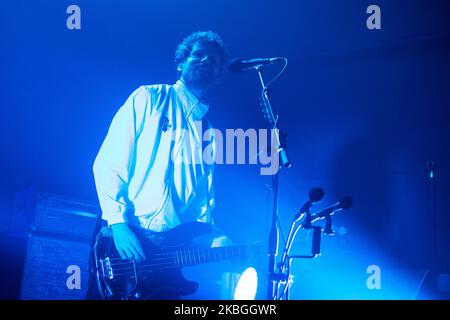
{"type": "Point", "coordinates": [157, 262]}
{"type": "Point", "coordinates": [191, 253]}
{"type": "Point", "coordinates": [123, 268]}
{"type": "Point", "coordinates": [141, 268]}
{"type": "Point", "coordinates": [130, 270]}
{"type": "Point", "coordinates": [171, 258]}
{"type": "Point", "coordinates": [118, 265]}
{"type": "Point", "coordinates": [185, 254]}
{"type": "Point", "coordinates": [147, 267]}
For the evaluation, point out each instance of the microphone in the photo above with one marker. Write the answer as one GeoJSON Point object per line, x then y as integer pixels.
{"type": "Point", "coordinates": [238, 65]}
{"type": "Point", "coordinates": [315, 195]}
{"type": "Point", "coordinates": [344, 204]}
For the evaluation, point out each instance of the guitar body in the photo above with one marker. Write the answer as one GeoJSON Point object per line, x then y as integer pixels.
{"type": "Point", "coordinates": [159, 276]}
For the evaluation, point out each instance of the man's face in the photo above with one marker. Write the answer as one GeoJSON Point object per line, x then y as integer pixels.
{"type": "Point", "coordinates": [202, 66]}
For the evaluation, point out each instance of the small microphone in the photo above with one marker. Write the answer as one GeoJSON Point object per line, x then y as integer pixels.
{"type": "Point", "coordinates": [315, 195]}
{"type": "Point", "coordinates": [344, 204]}
{"type": "Point", "coordinates": [239, 65]}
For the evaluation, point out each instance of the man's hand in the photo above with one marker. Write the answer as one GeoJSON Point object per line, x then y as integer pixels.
{"type": "Point", "coordinates": [127, 244]}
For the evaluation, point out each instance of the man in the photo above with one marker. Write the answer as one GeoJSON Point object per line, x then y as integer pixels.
{"type": "Point", "coordinates": [144, 173]}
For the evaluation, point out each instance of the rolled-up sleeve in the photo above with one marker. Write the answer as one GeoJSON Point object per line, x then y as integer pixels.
{"type": "Point", "coordinates": [113, 166]}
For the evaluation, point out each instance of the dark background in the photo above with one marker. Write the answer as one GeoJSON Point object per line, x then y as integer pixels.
{"type": "Point", "coordinates": [365, 111]}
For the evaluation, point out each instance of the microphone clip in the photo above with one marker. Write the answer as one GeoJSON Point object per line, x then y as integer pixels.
{"type": "Point", "coordinates": [328, 230]}
{"type": "Point", "coordinates": [307, 222]}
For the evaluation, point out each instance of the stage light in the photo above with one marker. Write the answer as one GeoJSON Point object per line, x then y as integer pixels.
{"type": "Point", "coordinates": [247, 285]}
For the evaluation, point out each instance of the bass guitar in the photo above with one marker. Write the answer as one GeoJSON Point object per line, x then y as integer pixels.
{"type": "Point", "coordinates": [159, 276]}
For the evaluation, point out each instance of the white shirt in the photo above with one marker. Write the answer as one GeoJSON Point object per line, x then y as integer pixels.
{"type": "Point", "coordinates": [145, 172]}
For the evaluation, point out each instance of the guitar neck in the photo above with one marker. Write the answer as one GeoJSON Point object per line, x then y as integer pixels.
{"type": "Point", "coordinates": [195, 256]}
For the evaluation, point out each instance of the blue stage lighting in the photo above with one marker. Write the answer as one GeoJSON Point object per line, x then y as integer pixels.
{"type": "Point", "coordinates": [247, 285]}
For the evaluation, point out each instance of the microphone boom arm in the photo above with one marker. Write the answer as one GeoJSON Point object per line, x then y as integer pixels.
{"type": "Point", "coordinates": [281, 146]}
{"type": "Point", "coordinates": [273, 242]}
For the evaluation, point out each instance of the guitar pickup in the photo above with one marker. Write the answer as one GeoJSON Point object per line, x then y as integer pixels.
{"type": "Point", "coordinates": [107, 270]}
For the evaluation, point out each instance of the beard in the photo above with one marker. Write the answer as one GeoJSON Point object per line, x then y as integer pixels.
{"type": "Point", "coordinates": [201, 77]}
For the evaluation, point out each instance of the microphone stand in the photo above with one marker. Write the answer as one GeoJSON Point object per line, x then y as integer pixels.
{"type": "Point", "coordinates": [432, 176]}
{"type": "Point", "coordinates": [282, 154]}
{"type": "Point", "coordinates": [285, 265]}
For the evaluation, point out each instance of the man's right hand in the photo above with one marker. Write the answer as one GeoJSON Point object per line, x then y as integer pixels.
{"type": "Point", "coordinates": [127, 244]}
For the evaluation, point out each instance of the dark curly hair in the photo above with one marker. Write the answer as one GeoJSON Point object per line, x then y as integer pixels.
{"type": "Point", "coordinates": [184, 48]}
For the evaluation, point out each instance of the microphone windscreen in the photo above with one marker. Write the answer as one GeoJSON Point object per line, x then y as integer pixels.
{"type": "Point", "coordinates": [346, 202]}
{"type": "Point", "coordinates": [316, 194]}
{"type": "Point", "coordinates": [235, 65]}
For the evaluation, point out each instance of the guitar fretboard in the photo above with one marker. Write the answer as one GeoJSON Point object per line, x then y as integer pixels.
{"type": "Point", "coordinates": [195, 256]}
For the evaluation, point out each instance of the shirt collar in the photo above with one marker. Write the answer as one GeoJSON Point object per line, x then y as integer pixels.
{"type": "Point", "coordinates": [192, 104]}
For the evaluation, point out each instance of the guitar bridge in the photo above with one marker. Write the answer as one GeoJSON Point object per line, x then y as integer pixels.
{"type": "Point", "coordinates": [107, 270]}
